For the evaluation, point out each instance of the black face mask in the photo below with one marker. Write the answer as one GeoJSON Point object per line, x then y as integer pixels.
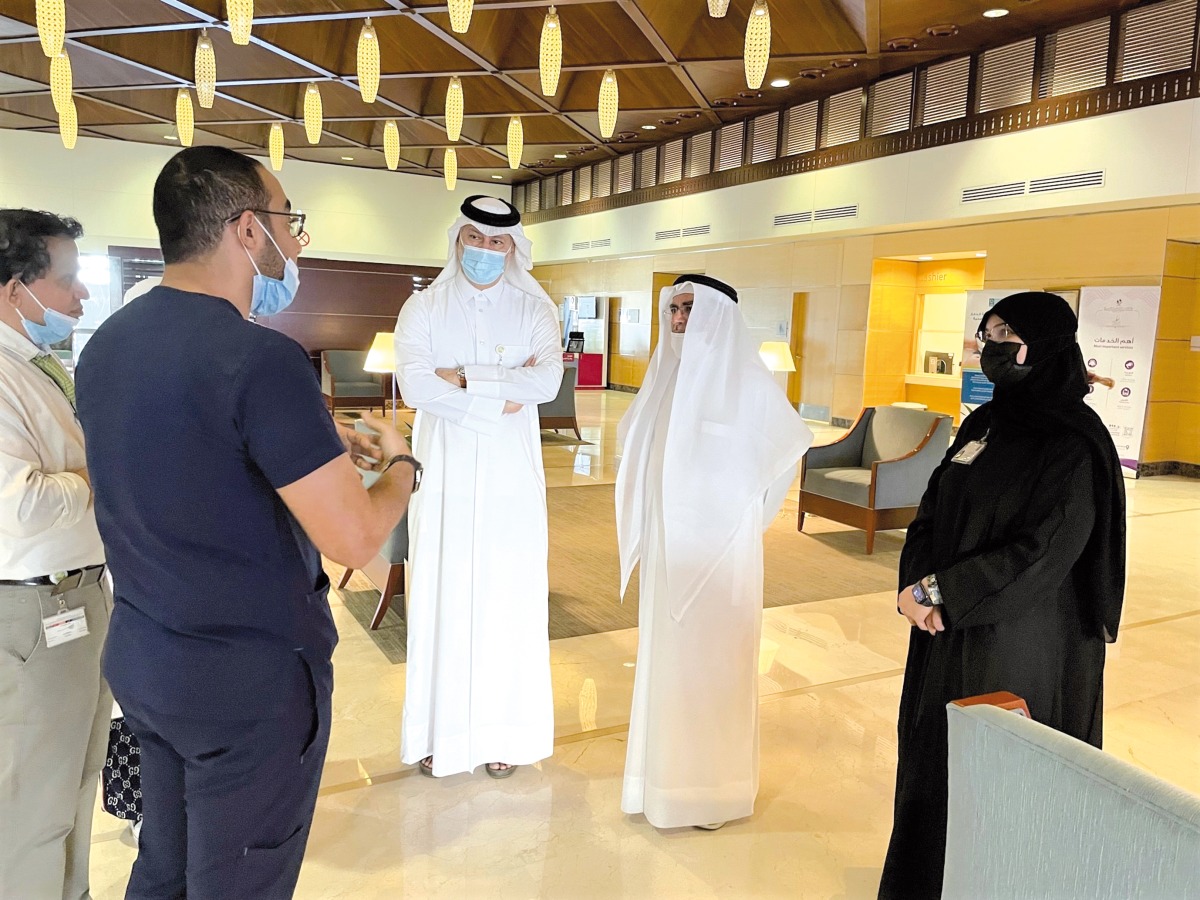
{"type": "Point", "coordinates": [999, 363]}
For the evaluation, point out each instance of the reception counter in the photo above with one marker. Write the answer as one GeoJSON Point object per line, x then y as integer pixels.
{"type": "Point", "coordinates": [939, 393]}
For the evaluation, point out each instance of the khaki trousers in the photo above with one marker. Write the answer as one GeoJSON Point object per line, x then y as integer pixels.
{"type": "Point", "coordinates": [54, 718]}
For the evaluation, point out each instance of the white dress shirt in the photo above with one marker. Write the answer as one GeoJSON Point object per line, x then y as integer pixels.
{"type": "Point", "coordinates": [47, 523]}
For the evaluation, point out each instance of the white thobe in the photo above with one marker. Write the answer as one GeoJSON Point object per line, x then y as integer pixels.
{"type": "Point", "coordinates": [692, 756]}
{"type": "Point", "coordinates": [478, 673]}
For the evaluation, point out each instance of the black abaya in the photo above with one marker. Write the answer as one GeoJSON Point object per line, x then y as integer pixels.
{"type": "Point", "coordinates": [1005, 537]}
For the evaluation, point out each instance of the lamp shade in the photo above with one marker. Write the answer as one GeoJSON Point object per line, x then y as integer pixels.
{"type": "Point", "coordinates": [391, 144]}
{"type": "Point", "coordinates": [609, 98]}
{"type": "Point", "coordinates": [313, 115]}
{"type": "Point", "coordinates": [206, 70]}
{"type": "Point", "coordinates": [68, 124]}
{"type": "Point", "coordinates": [516, 142]}
{"type": "Point", "coordinates": [454, 109]}
{"type": "Point", "coordinates": [450, 168]}
{"type": "Point", "coordinates": [382, 355]}
{"type": "Point", "coordinates": [368, 63]}
{"type": "Point", "coordinates": [185, 117]}
{"type": "Point", "coordinates": [758, 44]}
{"type": "Point", "coordinates": [718, 8]}
{"type": "Point", "coordinates": [778, 356]}
{"type": "Point", "coordinates": [550, 53]}
{"type": "Point", "coordinates": [241, 20]}
{"type": "Point", "coordinates": [276, 145]}
{"type": "Point", "coordinates": [60, 80]}
{"type": "Point", "coordinates": [460, 15]}
{"type": "Point", "coordinates": [51, 18]}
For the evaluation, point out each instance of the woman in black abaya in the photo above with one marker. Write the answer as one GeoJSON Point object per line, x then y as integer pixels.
{"type": "Point", "coordinates": [1013, 572]}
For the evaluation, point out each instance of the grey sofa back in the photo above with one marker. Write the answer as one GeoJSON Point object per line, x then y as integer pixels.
{"type": "Point", "coordinates": [894, 431]}
{"type": "Point", "coordinates": [1035, 813]}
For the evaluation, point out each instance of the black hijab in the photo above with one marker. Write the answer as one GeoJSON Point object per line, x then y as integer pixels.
{"type": "Point", "coordinates": [1049, 400]}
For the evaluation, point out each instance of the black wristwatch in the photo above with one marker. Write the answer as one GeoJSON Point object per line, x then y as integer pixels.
{"type": "Point", "coordinates": [418, 469]}
{"type": "Point", "coordinates": [927, 596]}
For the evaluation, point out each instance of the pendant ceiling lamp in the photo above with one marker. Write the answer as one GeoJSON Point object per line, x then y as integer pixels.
{"type": "Point", "coordinates": [52, 26]}
{"type": "Point", "coordinates": [241, 19]}
{"type": "Point", "coordinates": [460, 15]}
{"type": "Point", "coordinates": [550, 54]}
{"type": "Point", "coordinates": [609, 97]}
{"type": "Point", "coordinates": [60, 80]}
{"type": "Point", "coordinates": [313, 118]}
{"type": "Point", "coordinates": [454, 109]}
{"type": "Point", "coordinates": [758, 44]}
{"type": "Point", "coordinates": [368, 63]}
{"type": "Point", "coordinates": [516, 142]}
{"type": "Point", "coordinates": [391, 144]}
{"type": "Point", "coordinates": [206, 70]}
{"type": "Point", "coordinates": [276, 145]}
{"type": "Point", "coordinates": [718, 8]}
{"type": "Point", "coordinates": [68, 124]}
{"type": "Point", "coordinates": [450, 167]}
{"type": "Point", "coordinates": [185, 117]}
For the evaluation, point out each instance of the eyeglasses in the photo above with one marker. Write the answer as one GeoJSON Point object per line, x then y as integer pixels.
{"type": "Point", "coordinates": [996, 334]}
{"type": "Point", "coordinates": [296, 220]}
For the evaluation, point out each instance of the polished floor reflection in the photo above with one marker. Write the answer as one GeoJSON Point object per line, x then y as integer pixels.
{"type": "Point", "coordinates": [829, 685]}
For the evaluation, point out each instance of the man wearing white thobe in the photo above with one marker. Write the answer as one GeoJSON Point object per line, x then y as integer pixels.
{"type": "Point", "coordinates": [710, 448]}
{"type": "Point", "coordinates": [476, 353]}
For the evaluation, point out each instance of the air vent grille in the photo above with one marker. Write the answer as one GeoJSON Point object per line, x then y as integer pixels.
{"type": "Point", "coordinates": [946, 91]}
{"type": "Point", "coordinates": [696, 230]}
{"type": "Point", "coordinates": [1006, 75]}
{"type": "Point", "coordinates": [1070, 182]}
{"type": "Point", "coordinates": [647, 168]}
{"type": "Point", "coordinates": [801, 135]}
{"type": "Point", "coordinates": [731, 146]}
{"type": "Point", "coordinates": [600, 244]}
{"type": "Point", "coordinates": [1156, 39]}
{"type": "Point", "coordinates": [764, 140]}
{"type": "Point", "coordinates": [836, 212]}
{"type": "Point", "coordinates": [890, 105]}
{"type": "Point", "coordinates": [699, 155]}
{"type": "Point", "coordinates": [566, 194]}
{"type": "Point", "coordinates": [796, 218]}
{"type": "Point", "coordinates": [624, 174]}
{"type": "Point", "coordinates": [843, 118]}
{"type": "Point", "coordinates": [672, 161]}
{"type": "Point", "coordinates": [669, 234]}
{"type": "Point", "coordinates": [602, 178]}
{"type": "Point", "coordinates": [1076, 59]}
{"type": "Point", "coordinates": [581, 245]}
{"type": "Point", "coordinates": [533, 196]}
{"type": "Point", "coordinates": [993, 191]}
{"type": "Point", "coordinates": [583, 184]}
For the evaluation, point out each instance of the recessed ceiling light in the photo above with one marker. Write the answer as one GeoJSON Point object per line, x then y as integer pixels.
{"type": "Point", "coordinates": [497, 177]}
{"type": "Point", "coordinates": [924, 258]}
{"type": "Point", "coordinates": [997, 13]}
{"type": "Point", "coordinates": [348, 158]}
{"type": "Point", "coordinates": [649, 128]}
{"type": "Point", "coordinates": [780, 82]}
{"type": "Point", "coordinates": [560, 156]}
{"type": "Point", "coordinates": [170, 137]}
{"type": "Point", "coordinates": [981, 255]}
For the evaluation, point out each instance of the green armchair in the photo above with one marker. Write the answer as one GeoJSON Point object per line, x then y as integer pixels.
{"type": "Point", "coordinates": [344, 383]}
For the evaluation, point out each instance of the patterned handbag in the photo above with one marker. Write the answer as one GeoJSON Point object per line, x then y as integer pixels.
{"type": "Point", "coordinates": [122, 779]}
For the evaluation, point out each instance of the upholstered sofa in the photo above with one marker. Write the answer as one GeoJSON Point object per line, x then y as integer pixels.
{"type": "Point", "coordinates": [874, 477]}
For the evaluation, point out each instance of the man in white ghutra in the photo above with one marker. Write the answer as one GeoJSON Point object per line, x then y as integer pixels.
{"type": "Point", "coordinates": [476, 353]}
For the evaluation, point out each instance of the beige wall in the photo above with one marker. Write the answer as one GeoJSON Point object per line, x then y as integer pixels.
{"type": "Point", "coordinates": [1173, 419]}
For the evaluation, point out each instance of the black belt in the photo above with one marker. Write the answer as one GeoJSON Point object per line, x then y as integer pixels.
{"type": "Point", "coordinates": [70, 581]}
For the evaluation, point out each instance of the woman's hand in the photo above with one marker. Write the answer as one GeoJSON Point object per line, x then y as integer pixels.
{"type": "Point", "coordinates": [927, 618]}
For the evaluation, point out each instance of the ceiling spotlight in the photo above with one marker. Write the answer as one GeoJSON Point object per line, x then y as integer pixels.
{"type": "Point", "coordinates": [942, 31]}
{"type": "Point", "coordinates": [902, 43]}
{"type": "Point", "coordinates": [687, 114]}
{"type": "Point", "coordinates": [750, 95]}
{"type": "Point", "coordinates": [170, 137]}
{"type": "Point", "coordinates": [348, 158]}
{"type": "Point", "coordinates": [560, 156]}
{"type": "Point", "coordinates": [844, 63]}
{"type": "Point", "coordinates": [649, 128]}
{"type": "Point", "coordinates": [497, 178]}
{"type": "Point", "coordinates": [668, 122]}
{"type": "Point", "coordinates": [997, 13]}
{"type": "Point", "coordinates": [812, 74]}
{"type": "Point", "coordinates": [780, 82]}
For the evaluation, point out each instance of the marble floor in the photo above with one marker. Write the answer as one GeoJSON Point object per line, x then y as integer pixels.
{"type": "Point", "coordinates": [829, 685]}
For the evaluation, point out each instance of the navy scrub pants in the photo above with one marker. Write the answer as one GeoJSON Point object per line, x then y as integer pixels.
{"type": "Point", "coordinates": [227, 805]}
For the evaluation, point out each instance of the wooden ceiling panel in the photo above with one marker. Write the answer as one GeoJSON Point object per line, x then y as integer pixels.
{"type": "Point", "coordinates": [370, 159]}
{"type": "Point", "coordinates": [175, 52]}
{"type": "Point", "coordinates": [102, 13]}
{"type": "Point", "coordinates": [538, 129]}
{"type": "Point", "coordinates": [592, 34]}
{"type": "Point", "coordinates": [165, 134]}
{"type": "Point", "coordinates": [128, 57]}
{"type": "Point", "coordinates": [649, 88]}
{"type": "Point", "coordinates": [797, 26]}
{"type": "Point", "coordinates": [89, 112]}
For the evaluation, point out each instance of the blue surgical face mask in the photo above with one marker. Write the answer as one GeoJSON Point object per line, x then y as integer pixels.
{"type": "Point", "coordinates": [272, 295]}
{"type": "Point", "coordinates": [58, 326]}
{"type": "Point", "coordinates": [483, 266]}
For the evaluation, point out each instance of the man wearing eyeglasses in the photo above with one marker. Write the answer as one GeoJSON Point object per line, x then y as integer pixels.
{"type": "Point", "coordinates": [220, 479]}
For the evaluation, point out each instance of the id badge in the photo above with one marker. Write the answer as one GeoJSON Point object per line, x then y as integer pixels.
{"type": "Point", "coordinates": [64, 627]}
{"type": "Point", "coordinates": [969, 452]}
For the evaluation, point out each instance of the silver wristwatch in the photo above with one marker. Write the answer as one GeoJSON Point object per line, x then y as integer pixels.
{"type": "Point", "coordinates": [461, 372]}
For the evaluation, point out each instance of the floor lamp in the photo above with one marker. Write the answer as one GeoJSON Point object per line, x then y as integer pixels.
{"type": "Point", "coordinates": [381, 358]}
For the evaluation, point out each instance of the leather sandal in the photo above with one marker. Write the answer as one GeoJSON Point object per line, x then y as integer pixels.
{"type": "Point", "coordinates": [499, 773]}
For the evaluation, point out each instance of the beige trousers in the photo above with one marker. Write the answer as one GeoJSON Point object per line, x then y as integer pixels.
{"type": "Point", "coordinates": [54, 713]}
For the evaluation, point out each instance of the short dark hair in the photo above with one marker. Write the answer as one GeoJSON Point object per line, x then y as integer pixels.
{"type": "Point", "coordinates": [24, 252]}
{"type": "Point", "coordinates": [198, 191]}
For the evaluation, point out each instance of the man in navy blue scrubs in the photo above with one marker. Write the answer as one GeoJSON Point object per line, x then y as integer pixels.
{"type": "Point", "coordinates": [220, 479]}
